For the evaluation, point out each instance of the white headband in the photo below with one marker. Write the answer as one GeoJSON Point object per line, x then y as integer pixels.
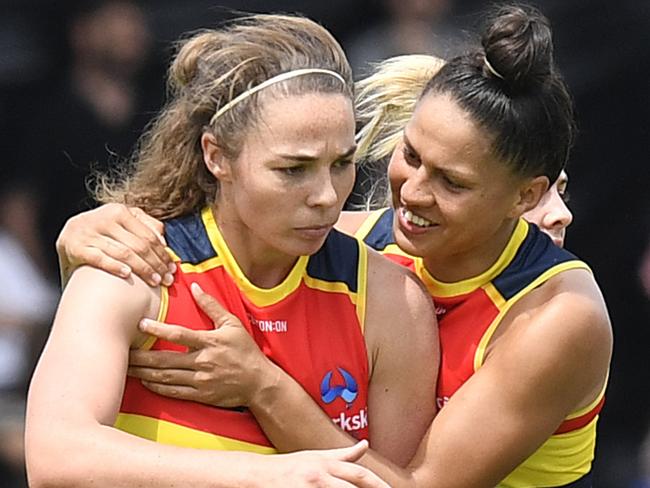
{"type": "Point", "coordinates": [271, 81]}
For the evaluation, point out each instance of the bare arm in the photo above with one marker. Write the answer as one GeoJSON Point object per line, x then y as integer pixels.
{"type": "Point", "coordinates": [75, 395]}
{"type": "Point", "coordinates": [402, 343]}
{"type": "Point", "coordinates": [552, 360]}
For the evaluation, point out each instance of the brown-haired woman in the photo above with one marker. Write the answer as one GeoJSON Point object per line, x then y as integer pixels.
{"type": "Point", "coordinates": [526, 339]}
{"type": "Point", "coordinates": [250, 165]}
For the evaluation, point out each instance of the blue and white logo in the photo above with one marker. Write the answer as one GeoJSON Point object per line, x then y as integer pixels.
{"type": "Point", "coordinates": [348, 392]}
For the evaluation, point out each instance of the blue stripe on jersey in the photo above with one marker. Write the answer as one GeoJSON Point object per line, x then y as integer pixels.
{"type": "Point", "coordinates": [337, 261]}
{"type": "Point", "coordinates": [381, 234]}
{"type": "Point", "coordinates": [535, 255]}
{"type": "Point", "coordinates": [188, 238]}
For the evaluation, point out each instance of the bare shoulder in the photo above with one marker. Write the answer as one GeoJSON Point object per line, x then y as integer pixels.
{"type": "Point", "coordinates": [399, 306]}
{"type": "Point", "coordinates": [562, 331]}
{"type": "Point", "coordinates": [570, 307]}
{"type": "Point", "coordinates": [95, 293]}
{"type": "Point", "coordinates": [350, 222]}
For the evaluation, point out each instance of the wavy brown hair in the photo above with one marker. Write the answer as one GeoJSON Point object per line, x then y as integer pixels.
{"type": "Point", "coordinates": [167, 176]}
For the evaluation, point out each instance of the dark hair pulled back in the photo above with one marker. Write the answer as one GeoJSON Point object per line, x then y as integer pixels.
{"type": "Point", "coordinates": [513, 90]}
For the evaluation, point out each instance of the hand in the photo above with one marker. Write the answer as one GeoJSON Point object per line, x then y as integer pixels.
{"type": "Point", "coordinates": [116, 239]}
{"type": "Point", "coordinates": [224, 367]}
{"type": "Point", "coordinates": [328, 468]}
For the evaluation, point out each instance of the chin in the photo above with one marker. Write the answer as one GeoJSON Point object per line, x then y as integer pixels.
{"type": "Point", "coordinates": [408, 246]}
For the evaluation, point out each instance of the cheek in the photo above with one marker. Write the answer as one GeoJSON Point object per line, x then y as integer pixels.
{"type": "Point", "coordinates": [345, 183]}
{"type": "Point", "coordinates": [396, 172]}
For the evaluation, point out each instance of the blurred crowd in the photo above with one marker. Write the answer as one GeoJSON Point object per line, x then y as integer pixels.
{"type": "Point", "coordinates": [79, 80]}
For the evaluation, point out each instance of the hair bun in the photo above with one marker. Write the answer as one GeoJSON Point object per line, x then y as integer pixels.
{"type": "Point", "coordinates": [518, 47]}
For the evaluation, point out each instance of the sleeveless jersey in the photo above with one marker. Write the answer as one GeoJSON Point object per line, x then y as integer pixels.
{"type": "Point", "coordinates": [470, 311]}
{"type": "Point", "coordinates": [311, 325]}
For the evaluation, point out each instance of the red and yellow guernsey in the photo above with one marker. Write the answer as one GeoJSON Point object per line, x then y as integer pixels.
{"type": "Point", "coordinates": [311, 325]}
{"type": "Point", "coordinates": [469, 312]}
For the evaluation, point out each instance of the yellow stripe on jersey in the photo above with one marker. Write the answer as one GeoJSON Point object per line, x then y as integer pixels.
{"type": "Point", "coordinates": [442, 290]}
{"type": "Point", "coordinates": [479, 356]}
{"type": "Point", "coordinates": [202, 267]}
{"type": "Point", "coordinates": [331, 286]}
{"type": "Point", "coordinates": [367, 225]}
{"type": "Point", "coordinates": [261, 297]}
{"type": "Point", "coordinates": [162, 315]}
{"type": "Point", "coordinates": [362, 285]}
{"type": "Point", "coordinates": [562, 459]}
{"type": "Point", "coordinates": [169, 433]}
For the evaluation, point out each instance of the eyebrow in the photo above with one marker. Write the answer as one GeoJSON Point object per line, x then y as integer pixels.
{"type": "Point", "coordinates": [306, 158]}
{"type": "Point", "coordinates": [411, 148]}
{"type": "Point", "coordinates": [449, 171]}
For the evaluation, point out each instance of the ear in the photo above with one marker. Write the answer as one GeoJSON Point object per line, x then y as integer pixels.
{"type": "Point", "coordinates": [214, 158]}
{"type": "Point", "coordinates": [530, 193]}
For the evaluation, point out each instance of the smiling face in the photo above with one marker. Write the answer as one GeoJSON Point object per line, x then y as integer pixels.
{"type": "Point", "coordinates": [552, 215]}
{"type": "Point", "coordinates": [455, 203]}
{"type": "Point", "coordinates": [283, 193]}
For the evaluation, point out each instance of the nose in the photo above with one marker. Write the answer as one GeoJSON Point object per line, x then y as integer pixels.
{"type": "Point", "coordinates": [416, 190]}
{"type": "Point", "coordinates": [323, 192]}
{"type": "Point", "coordinates": [558, 216]}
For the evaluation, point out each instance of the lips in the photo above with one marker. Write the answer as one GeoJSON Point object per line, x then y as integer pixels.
{"type": "Point", "coordinates": [413, 223]}
{"type": "Point", "coordinates": [315, 231]}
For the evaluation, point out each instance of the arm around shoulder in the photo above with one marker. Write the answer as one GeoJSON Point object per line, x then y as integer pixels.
{"type": "Point", "coordinates": [552, 359]}
{"type": "Point", "coordinates": [404, 353]}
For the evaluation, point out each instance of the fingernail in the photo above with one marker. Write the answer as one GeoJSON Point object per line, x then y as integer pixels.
{"type": "Point", "coordinates": [156, 278]}
{"type": "Point", "coordinates": [168, 279]}
{"type": "Point", "coordinates": [125, 271]}
{"type": "Point", "coordinates": [196, 288]}
{"type": "Point", "coordinates": [143, 324]}
{"type": "Point", "coordinates": [172, 267]}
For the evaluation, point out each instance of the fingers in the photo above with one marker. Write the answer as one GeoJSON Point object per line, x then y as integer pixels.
{"type": "Point", "coordinates": [172, 333]}
{"type": "Point", "coordinates": [144, 255]}
{"type": "Point", "coordinates": [161, 359]}
{"type": "Point", "coordinates": [352, 453]}
{"type": "Point", "coordinates": [113, 231]}
{"type": "Point", "coordinates": [174, 391]}
{"type": "Point", "coordinates": [170, 377]}
{"type": "Point", "coordinates": [154, 224]}
{"type": "Point", "coordinates": [213, 309]}
{"type": "Point", "coordinates": [357, 475]}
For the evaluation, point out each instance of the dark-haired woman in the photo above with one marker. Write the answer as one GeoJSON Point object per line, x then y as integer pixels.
{"type": "Point", "coordinates": [525, 335]}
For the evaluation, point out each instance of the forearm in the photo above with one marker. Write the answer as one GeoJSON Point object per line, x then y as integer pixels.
{"type": "Point", "coordinates": [106, 457]}
{"type": "Point", "coordinates": [293, 421]}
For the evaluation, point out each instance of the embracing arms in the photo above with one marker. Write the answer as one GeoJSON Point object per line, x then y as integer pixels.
{"type": "Point", "coordinates": [551, 360]}
{"type": "Point", "coordinates": [76, 392]}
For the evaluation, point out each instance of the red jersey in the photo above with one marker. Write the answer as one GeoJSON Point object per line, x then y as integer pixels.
{"type": "Point", "coordinates": [470, 311]}
{"type": "Point", "coordinates": [311, 325]}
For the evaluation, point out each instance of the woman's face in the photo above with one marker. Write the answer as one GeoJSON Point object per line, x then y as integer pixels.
{"type": "Point", "coordinates": [552, 215]}
{"type": "Point", "coordinates": [287, 187]}
{"type": "Point", "coordinates": [452, 197]}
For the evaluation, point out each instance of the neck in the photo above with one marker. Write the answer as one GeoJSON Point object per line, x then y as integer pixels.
{"type": "Point", "coordinates": [472, 262]}
{"type": "Point", "coordinates": [263, 266]}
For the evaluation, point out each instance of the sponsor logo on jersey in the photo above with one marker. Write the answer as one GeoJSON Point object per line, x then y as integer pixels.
{"type": "Point", "coordinates": [265, 325]}
{"type": "Point", "coordinates": [351, 423]}
{"type": "Point", "coordinates": [440, 310]}
{"type": "Point", "coordinates": [347, 392]}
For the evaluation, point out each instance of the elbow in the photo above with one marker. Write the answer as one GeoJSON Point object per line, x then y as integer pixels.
{"type": "Point", "coordinates": [51, 462]}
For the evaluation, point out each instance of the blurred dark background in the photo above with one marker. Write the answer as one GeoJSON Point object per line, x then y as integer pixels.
{"type": "Point", "coordinates": [80, 79]}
